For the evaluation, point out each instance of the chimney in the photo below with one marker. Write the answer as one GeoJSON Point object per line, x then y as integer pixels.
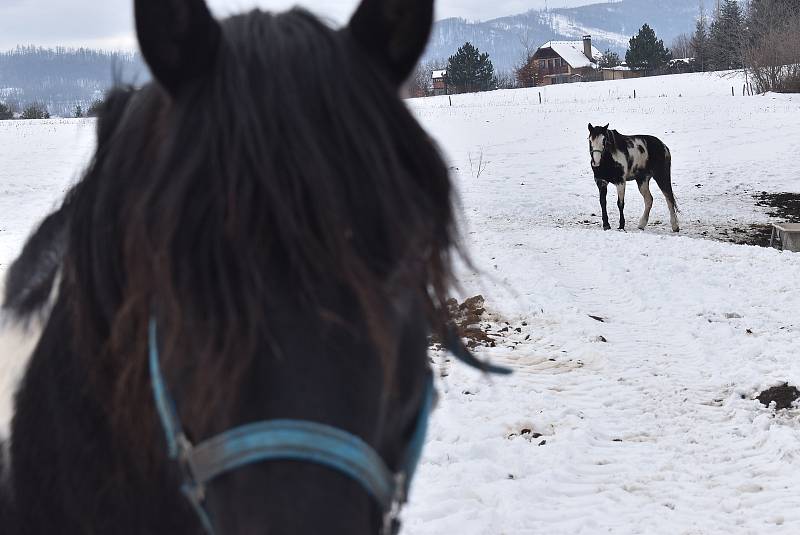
{"type": "Point", "coordinates": [587, 46]}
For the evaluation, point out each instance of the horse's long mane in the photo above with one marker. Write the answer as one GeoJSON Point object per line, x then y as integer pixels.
{"type": "Point", "coordinates": [294, 166]}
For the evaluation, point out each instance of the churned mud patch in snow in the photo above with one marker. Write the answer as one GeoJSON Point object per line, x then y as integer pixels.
{"type": "Point", "coordinates": [479, 328]}
{"type": "Point", "coordinates": [781, 207]}
{"type": "Point", "coordinates": [784, 396]}
{"type": "Point", "coordinates": [468, 317]}
{"type": "Point", "coordinates": [778, 207]}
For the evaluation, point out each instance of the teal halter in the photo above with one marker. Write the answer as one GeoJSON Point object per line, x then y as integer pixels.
{"type": "Point", "coordinates": [295, 440]}
{"type": "Point", "coordinates": [287, 440]}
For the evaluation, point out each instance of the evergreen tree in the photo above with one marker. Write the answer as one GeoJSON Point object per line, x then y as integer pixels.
{"type": "Point", "coordinates": [78, 111]}
{"type": "Point", "coordinates": [609, 59]}
{"type": "Point", "coordinates": [36, 111]}
{"type": "Point", "coordinates": [646, 52]}
{"type": "Point", "coordinates": [726, 37]}
{"type": "Point", "coordinates": [5, 112]}
{"type": "Point", "coordinates": [700, 41]}
{"type": "Point", "coordinates": [469, 70]}
{"type": "Point", "coordinates": [94, 109]}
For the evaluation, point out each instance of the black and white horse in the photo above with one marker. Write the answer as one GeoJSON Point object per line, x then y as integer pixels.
{"type": "Point", "coordinates": [618, 159]}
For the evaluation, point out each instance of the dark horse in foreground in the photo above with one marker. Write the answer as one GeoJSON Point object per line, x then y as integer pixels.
{"type": "Point", "coordinates": [264, 235]}
{"type": "Point", "coordinates": [618, 159]}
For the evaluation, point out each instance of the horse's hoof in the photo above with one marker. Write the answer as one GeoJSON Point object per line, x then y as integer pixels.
{"type": "Point", "coordinates": [676, 230]}
{"type": "Point", "coordinates": [642, 227]}
{"type": "Point", "coordinates": [607, 228]}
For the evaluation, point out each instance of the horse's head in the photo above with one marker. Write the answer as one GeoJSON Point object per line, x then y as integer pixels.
{"type": "Point", "coordinates": [270, 202]}
{"type": "Point", "coordinates": [599, 140]}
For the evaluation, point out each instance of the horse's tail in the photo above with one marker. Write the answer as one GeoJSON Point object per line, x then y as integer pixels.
{"type": "Point", "coordinates": [665, 181]}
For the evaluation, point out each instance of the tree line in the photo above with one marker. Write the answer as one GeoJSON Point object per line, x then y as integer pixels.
{"type": "Point", "coordinates": [38, 110]}
{"type": "Point", "coordinates": [761, 36]}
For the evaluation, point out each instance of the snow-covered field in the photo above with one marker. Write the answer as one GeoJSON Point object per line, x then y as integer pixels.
{"type": "Point", "coordinates": [647, 420]}
{"type": "Point", "coordinates": [643, 423]}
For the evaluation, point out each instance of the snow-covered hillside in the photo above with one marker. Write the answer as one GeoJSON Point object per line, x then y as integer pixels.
{"type": "Point", "coordinates": [638, 420]}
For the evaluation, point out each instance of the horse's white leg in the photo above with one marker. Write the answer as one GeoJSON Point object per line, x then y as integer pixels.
{"type": "Point", "coordinates": [644, 189]}
{"type": "Point", "coordinates": [621, 204]}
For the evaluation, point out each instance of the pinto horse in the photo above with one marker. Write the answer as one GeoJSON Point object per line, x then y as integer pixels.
{"type": "Point", "coordinates": [619, 159]}
{"type": "Point", "coordinates": [261, 244]}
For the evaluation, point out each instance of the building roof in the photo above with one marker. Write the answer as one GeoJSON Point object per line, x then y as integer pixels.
{"type": "Point", "coordinates": [439, 74]}
{"type": "Point", "coordinates": [572, 53]}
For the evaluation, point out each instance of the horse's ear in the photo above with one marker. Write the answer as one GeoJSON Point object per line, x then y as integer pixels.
{"type": "Point", "coordinates": [394, 32]}
{"type": "Point", "coordinates": [179, 39]}
{"type": "Point", "coordinates": [606, 127]}
{"type": "Point", "coordinates": [591, 128]}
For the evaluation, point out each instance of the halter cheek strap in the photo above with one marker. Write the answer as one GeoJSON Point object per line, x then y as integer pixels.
{"type": "Point", "coordinates": [287, 440]}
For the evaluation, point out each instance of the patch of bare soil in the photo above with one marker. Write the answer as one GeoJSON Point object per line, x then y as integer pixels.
{"type": "Point", "coordinates": [782, 207]}
{"type": "Point", "coordinates": [783, 396]}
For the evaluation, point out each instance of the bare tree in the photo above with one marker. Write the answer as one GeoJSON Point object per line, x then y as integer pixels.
{"type": "Point", "coordinates": [525, 70]}
{"type": "Point", "coordinates": [681, 47]}
{"type": "Point", "coordinates": [772, 53]}
{"type": "Point", "coordinates": [700, 40]}
{"type": "Point", "coordinates": [420, 82]}
{"type": "Point", "coordinates": [506, 80]}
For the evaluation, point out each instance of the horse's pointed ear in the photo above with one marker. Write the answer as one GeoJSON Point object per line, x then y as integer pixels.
{"type": "Point", "coordinates": [179, 39]}
{"type": "Point", "coordinates": [394, 33]}
{"type": "Point", "coordinates": [591, 127]}
{"type": "Point", "coordinates": [606, 127]}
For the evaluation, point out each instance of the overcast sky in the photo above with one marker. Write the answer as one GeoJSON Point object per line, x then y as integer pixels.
{"type": "Point", "coordinates": [109, 23]}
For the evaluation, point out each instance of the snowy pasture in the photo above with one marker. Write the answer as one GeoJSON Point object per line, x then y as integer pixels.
{"type": "Point", "coordinates": [640, 420]}
{"type": "Point", "coordinates": [644, 422]}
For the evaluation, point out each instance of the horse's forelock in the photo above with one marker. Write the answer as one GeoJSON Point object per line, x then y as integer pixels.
{"type": "Point", "coordinates": [294, 164]}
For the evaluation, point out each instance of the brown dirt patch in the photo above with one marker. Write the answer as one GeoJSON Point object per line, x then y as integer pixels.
{"type": "Point", "coordinates": [783, 207]}
{"type": "Point", "coordinates": [468, 317]}
{"type": "Point", "coordinates": [783, 396]}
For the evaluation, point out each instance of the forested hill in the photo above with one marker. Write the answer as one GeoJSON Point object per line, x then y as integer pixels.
{"type": "Point", "coordinates": [62, 78]}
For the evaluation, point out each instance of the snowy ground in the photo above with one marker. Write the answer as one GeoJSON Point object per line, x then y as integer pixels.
{"type": "Point", "coordinates": [647, 420]}
{"type": "Point", "coordinates": [641, 424]}
{"type": "Point", "coordinates": [39, 160]}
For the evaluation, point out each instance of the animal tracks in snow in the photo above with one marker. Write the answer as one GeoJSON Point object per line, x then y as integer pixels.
{"type": "Point", "coordinates": [657, 429]}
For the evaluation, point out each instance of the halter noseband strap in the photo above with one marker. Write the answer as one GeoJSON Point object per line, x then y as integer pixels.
{"type": "Point", "coordinates": [288, 440]}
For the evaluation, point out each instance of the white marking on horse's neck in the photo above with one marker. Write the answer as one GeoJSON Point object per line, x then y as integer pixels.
{"type": "Point", "coordinates": [18, 340]}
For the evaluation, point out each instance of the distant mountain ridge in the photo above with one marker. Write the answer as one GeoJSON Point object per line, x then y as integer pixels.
{"type": "Point", "coordinates": [611, 25]}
